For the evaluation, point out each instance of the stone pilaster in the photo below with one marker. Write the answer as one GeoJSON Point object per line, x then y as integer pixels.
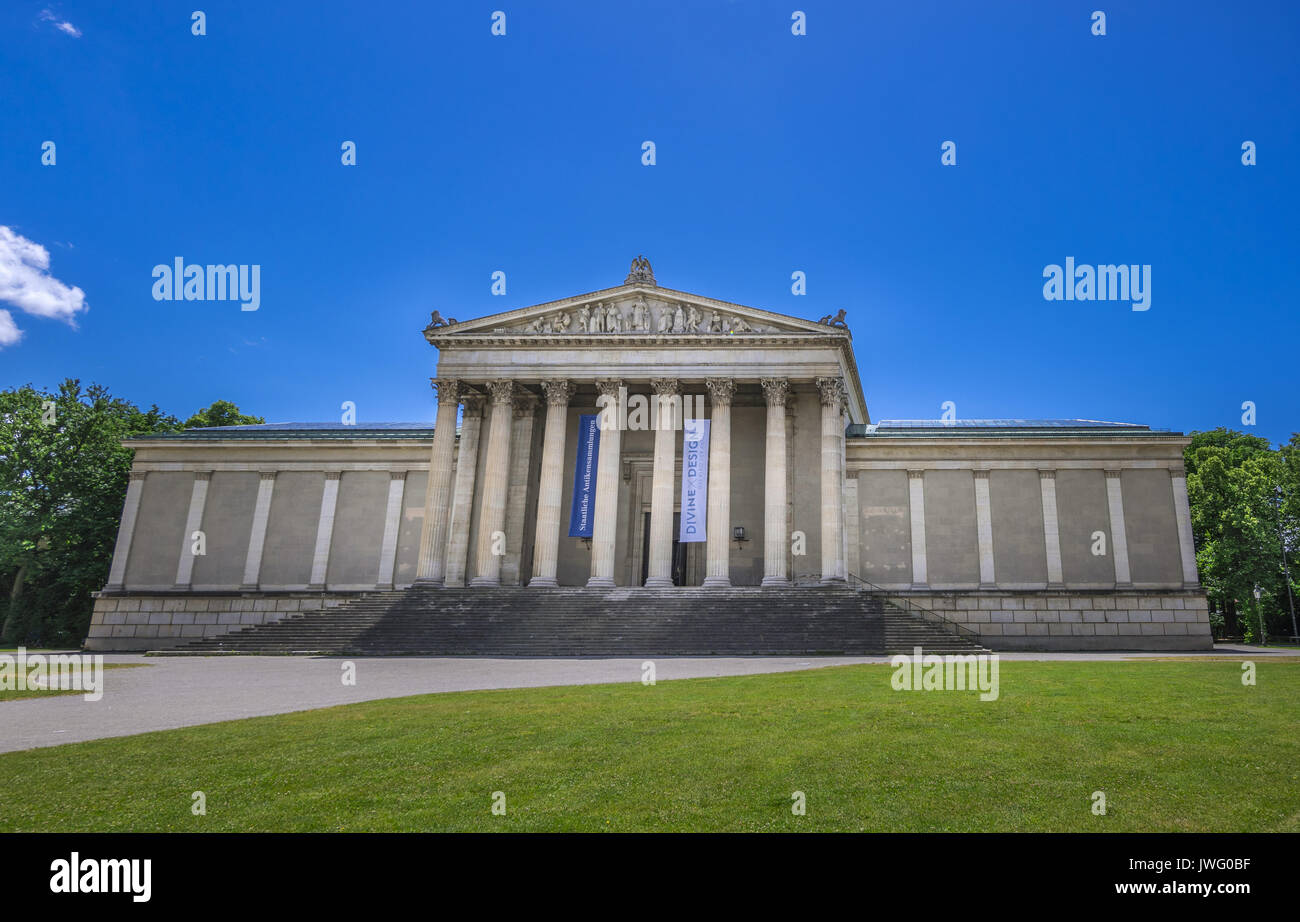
{"type": "Point", "coordinates": [550, 491]}
{"type": "Point", "coordinates": [1051, 529]}
{"type": "Point", "coordinates": [984, 529]}
{"type": "Point", "coordinates": [717, 572]}
{"type": "Point", "coordinates": [433, 531]}
{"type": "Point", "coordinates": [320, 558]}
{"type": "Point", "coordinates": [1118, 533]}
{"type": "Point", "coordinates": [193, 523]}
{"type": "Point", "coordinates": [832, 478]}
{"type": "Point", "coordinates": [1183, 515]}
{"type": "Point", "coordinates": [916, 500]}
{"type": "Point", "coordinates": [257, 534]}
{"type": "Point", "coordinates": [462, 500]}
{"type": "Point", "coordinates": [492, 509]}
{"type": "Point", "coordinates": [605, 526]}
{"type": "Point", "coordinates": [126, 531]}
{"type": "Point", "coordinates": [521, 448]}
{"type": "Point", "coordinates": [392, 522]}
{"type": "Point", "coordinates": [660, 569]}
{"type": "Point", "coordinates": [776, 538]}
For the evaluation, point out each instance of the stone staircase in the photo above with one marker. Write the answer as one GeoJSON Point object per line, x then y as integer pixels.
{"type": "Point", "coordinates": [610, 622]}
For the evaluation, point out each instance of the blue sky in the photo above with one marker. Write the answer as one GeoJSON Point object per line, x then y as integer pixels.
{"type": "Point", "coordinates": [775, 153]}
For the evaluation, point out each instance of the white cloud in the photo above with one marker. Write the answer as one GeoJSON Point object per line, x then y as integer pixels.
{"type": "Point", "coordinates": [25, 283]}
{"type": "Point", "coordinates": [62, 25]}
{"type": "Point", "coordinates": [9, 332]}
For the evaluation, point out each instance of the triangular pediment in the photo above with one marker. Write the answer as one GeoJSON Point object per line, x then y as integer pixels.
{"type": "Point", "coordinates": [635, 310]}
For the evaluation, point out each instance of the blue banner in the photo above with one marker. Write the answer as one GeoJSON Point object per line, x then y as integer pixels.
{"type": "Point", "coordinates": [582, 515]}
{"type": "Point", "coordinates": [695, 479]}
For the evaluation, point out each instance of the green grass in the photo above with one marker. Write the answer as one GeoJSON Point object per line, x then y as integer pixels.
{"type": "Point", "coordinates": [11, 694]}
{"type": "Point", "coordinates": [1175, 746]}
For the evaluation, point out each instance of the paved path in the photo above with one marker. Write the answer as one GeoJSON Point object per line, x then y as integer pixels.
{"type": "Point", "coordinates": [185, 691]}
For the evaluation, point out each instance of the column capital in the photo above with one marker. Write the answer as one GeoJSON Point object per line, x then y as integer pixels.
{"type": "Point", "coordinates": [502, 391]}
{"type": "Point", "coordinates": [981, 473]}
{"type": "Point", "coordinates": [525, 405]}
{"type": "Point", "coordinates": [333, 475]}
{"type": "Point", "coordinates": [832, 392]}
{"type": "Point", "coordinates": [721, 390]}
{"type": "Point", "coordinates": [396, 475]}
{"type": "Point", "coordinates": [1047, 474]}
{"type": "Point", "coordinates": [666, 387]}
{"type": "Point", "coordinates": [558, 391]}
{"type": "Point", "coordinates": [266, 475]}
{"type": "Point", "coordinates": [203, 475]}
{"type": "Point", "coordinates": [447, 389]}
{"type": "Point", "coordinates": [473, 404]}
{"type": "Point", "coordinates": [915, 475]}
{"type": "Point", "coordinates": [136, 476]}
{"type": "Point", "coordinates": [609, 388]}
{"type": "Point", "coordinates": [776, 391]}
{"type": "Point", "coordinates": [1112, 473]}
{"type": "Point", "coordinates": [1178, 471]}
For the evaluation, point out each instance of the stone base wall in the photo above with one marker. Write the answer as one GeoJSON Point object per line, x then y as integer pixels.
{"type": "Point", "coordinates": [135, 621]}
{"type": "Point", "coordinates": [1077, 620]}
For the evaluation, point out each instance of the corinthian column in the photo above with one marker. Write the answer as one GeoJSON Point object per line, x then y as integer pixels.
{"type": "Point", "coordinates": [717, 573]}
{"type": "Point", "coordinates": [605, 527]}
{"type": "Point", "coordinates": [462, 499]}
{"type": "Point", "coordinates": [437, 495]}
{"type": "Point", "coordinates": [832, 393]}
{"type": "Point", "coordinates": [661, 491]}
{"type": "Point", "coordinates": [775, 539]}
{"type": "Point", "coordinates": [546, 550]}
{"type": "Point", "coordinates": [492, 512]}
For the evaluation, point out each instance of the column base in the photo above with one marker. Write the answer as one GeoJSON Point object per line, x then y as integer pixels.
{"type": "Point", "coordinates": [543, 582]}
{"type": "Point", "coordinates": [779, 582]}
{"type": "Point", "coordinates": [833, 580]}
{"type": "Point", "coordinates": [658, 582]}
{"type": "Point", "coordinates": [1055, 586]}
{"type": "Point", "coordinates": [427, 581]}
{"type": "Point", "coordinates": [986, 586]}
{"type": "Point", "coordinates": [716, 582]}
{"type": "Point", "coordinates": [484, 582]}
{"type": "Point", "coordinates": [600, 582]}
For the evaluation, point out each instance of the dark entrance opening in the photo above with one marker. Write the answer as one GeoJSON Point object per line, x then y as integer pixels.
{"type": "Point", "coordinates": [679, 551]}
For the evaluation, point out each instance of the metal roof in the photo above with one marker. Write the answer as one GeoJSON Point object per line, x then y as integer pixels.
{"type": "Point", "coordinates": [1001, 427]}
{"type": "Point", "coordinates": [422, 430]}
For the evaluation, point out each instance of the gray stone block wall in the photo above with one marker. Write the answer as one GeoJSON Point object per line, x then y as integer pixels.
{"type": "Point", "coordinates": [1048, 620]}
{"type": "Point", "coordinates": [136, 622]}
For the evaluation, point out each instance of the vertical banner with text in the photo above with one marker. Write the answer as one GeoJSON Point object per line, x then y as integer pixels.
{"type": "Point", "coordinates": [584, 477]}
{"type": "Point", "coordinates": [695, 479]}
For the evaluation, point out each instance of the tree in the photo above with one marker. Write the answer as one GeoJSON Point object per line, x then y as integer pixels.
{"type": "Point", "coordinates": [221, 413]}
{"type": "Point", "coordinates": [63, 477]}
{"type": "Point", "coordinates": [1243, 497]}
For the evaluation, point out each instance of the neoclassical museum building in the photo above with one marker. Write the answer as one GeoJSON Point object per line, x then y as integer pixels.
{"type": "Point", "coordinates": [638, 446]}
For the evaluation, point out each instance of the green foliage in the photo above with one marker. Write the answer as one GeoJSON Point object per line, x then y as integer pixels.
{"type": "Point", "coordinates": [1244, 499]}
{"type": "Point", "coordinates": [63, 478]}
{"type": "Point", "coordinates": [221, 413]}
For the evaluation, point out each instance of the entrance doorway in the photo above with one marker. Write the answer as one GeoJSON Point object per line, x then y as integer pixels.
{"type": "Point", "coordinates": [679, 551]}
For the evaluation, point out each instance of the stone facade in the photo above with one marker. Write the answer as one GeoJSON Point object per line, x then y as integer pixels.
{"type": "Point", "coordinates": [1067, 518]}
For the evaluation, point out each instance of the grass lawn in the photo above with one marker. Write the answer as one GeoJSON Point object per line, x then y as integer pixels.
{"type": "Point", "coordinates": [9, 694]}
{"type": "Point", "coordinates": [1174, 746]}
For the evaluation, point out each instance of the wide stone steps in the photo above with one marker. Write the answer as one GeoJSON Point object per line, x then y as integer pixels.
{"type": "Point", "coordinates": [586, 622]}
